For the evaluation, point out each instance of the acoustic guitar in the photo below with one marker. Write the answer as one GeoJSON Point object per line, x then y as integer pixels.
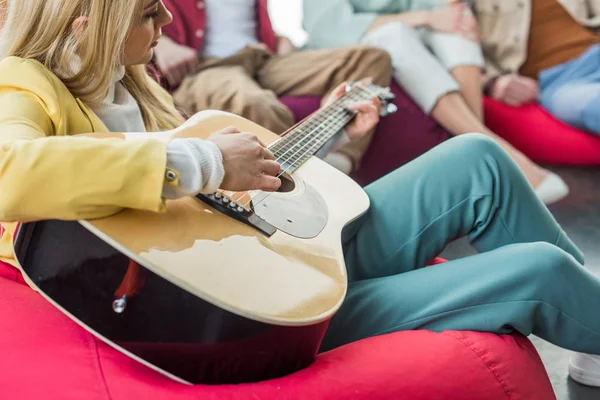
{"type": "Point", "coordinates": [221, 288]}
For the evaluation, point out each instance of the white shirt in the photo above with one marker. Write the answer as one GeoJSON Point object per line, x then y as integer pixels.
{"type": "Point", "coordinates": [199, 162]}
{"type": "Point", "coordinates": [119, 111]}
{"type": "Point", "coordinates": [231, 25]}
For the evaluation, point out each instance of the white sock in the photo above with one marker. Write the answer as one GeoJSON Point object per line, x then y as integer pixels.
{"type": "Point", "coordinates": [552, 189]}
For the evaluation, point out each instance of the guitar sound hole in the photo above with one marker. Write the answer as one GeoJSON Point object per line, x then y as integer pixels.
{"type": "Point", "coordinates": [287, 184]}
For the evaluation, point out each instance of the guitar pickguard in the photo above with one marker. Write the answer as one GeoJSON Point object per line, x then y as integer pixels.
{"type": "Point", "coordinates": [302, 213]}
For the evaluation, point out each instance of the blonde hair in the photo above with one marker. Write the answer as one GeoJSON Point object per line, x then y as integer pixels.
{"type": "Point", "coordinates": [43, 30]}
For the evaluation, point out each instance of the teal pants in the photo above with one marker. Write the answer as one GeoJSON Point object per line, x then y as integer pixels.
{"type": "Point", "coordinates": [528, 275]}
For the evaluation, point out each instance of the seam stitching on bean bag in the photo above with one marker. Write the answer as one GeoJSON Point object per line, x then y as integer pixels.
{"type": "Point", "coordinates": [99, 361]}
{"type": "Point", "coordinates": [486, 363]}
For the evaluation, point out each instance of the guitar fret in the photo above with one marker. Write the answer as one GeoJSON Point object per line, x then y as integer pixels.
{"type": "Point", "coordinates": [308, 137]}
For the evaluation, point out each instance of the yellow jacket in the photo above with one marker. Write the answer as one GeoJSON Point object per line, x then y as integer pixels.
{"type": "Point", "coordinates": [57, 176]}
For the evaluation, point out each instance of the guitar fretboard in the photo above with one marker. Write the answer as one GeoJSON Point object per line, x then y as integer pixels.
{"type": "Point", "coordinates": [308, 137]}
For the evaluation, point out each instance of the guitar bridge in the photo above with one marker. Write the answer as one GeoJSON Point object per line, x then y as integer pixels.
{"type": "Point", "coordinates": [228, 207]}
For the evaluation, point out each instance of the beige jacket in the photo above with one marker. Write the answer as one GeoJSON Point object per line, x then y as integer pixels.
{"type": "Point", "coordinates": [505, 29]}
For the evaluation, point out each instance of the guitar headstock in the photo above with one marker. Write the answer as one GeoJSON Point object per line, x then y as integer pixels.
{"type": "Point", "coordinates": [384, 94]}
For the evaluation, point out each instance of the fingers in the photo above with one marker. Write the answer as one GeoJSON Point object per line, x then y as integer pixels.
{"type": "Point", "coordinates": [513, 101]}
{"type": "Point", "coordinates": [531, 86]}
{"type": "Point", "coordinates": [268, 183]}
{"type": "Point", "coordinates": [367, 81]}
{"type": "Point", "coordinates": [259, 141]}
{"type": "Point", "coordinates": [269, 167]}
{"type": "Point", "coordinates": [339, 90]}
{"type": "Point", "coordinates": [521, 91]}
{"type": "Point", "coordinates": [365, 107]}
{"type": "Point", "coordinates": [267, 155]}
{"type": "Point", "coordinates": [230, 130]}
{"type": "Point", "coordinates": [335, 94]}
{"type": "Point", "coordinates": [376, 103]}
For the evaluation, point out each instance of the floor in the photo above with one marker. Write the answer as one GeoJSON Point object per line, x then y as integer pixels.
{"type": "Point", "coordinates": [579, 214]}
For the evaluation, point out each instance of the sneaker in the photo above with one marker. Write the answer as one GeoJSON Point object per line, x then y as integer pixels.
{"type": "Point", "coordinates": [552, 189]}
{"type": "Point", "coordinates": [585, 369]}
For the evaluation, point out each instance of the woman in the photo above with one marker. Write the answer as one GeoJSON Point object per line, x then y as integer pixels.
{"type": "Point", "coordinates": [64, 76]}
{"type": "Point", "coordinates": [436, 57]}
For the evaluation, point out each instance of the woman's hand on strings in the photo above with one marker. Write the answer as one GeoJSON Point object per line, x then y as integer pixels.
{"type": "Point", "coordinates": [248, 164]}
{"type": "Point", "coordinates": [367, 113]}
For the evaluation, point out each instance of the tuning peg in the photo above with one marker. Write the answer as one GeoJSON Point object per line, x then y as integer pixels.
{"type": "Point", "coordinates": [387, 109]}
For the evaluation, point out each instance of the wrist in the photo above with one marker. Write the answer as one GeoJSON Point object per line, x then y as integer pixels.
{"type": "Point", "coordinates": [197, 166]}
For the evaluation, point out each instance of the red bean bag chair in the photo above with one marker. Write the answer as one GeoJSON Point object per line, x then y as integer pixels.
{"type": "Point", "coordinates": [540, 136]}
{"type": "Point", "coordinates": [400, 137]}
{"type": "Point", "coordinates": [44, 355]}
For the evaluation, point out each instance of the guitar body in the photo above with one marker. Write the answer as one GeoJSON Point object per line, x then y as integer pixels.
{"type": "Point", "coordinates": [206, 297]}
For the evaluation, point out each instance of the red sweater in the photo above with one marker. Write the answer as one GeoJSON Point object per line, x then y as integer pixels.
{"type": "Point", "coordinates": [189, 23]}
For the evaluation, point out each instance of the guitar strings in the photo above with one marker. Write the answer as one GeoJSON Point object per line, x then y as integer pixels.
{"type": "Point", "coordinates": [312, 123]}
{"type": "Point", "coordinates": [304, 132]}
{"type": "Point", "coordinates": [316, 124]}
{"type": "Point", "coordinates": [335, 117]}
{"type": "Point", "coordinates": [352, 96]}
{"type": "Point", "coordinates": [300, 128]}
{"type": "Point", "coordinates": [316, 140]}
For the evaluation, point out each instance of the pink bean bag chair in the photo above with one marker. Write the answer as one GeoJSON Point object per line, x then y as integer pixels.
{"type": "Point", "coordinates": [44, 355]}
{"type": "Point", "coordinates": [542, 137]}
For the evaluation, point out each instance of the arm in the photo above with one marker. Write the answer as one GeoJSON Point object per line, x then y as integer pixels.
{"type": "Point", "coordinates": [70, 177]}
{"type": "Point", "coordinates": [512, 89]}
{"type": "Point", "coordinates": [490, 73]}
{"type": "Point", "coordinates": [83, 177]}
{"type": "Point", "coordinates": [410, 18]}
{"type": "Point", "coordinates": [337, 24]}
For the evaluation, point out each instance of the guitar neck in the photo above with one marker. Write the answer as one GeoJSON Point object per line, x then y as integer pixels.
{"type": "Point", "coordinates": [308, 137]}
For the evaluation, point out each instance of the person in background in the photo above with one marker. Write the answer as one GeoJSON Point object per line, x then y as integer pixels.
{"type": "Point", "coordinates": [437, 60]}
{"type": "Point", "coordinates": [546, 51]}
{"type": "Point", "coordinates": [224, 55]}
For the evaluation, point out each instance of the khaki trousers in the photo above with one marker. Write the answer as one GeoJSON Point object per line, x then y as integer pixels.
{"type": "Point", "coordinates": [250, 82]}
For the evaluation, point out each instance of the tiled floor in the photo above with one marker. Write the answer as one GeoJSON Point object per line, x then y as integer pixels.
{"type": "Point", "coordinates": [579, 214]}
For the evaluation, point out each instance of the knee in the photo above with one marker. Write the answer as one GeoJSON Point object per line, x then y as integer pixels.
{"type": "Point", "coordinates": [548, 264]}
{"type": "Point", "coordinates": [259, 102]}
{"type": "Point", "coordinates": [394, 35]}
{"type": "Point", "coordinates": [477, 145]}
{"type": "Point", "coordinates": [376, 55]}
{"type": "Point", "coordinates": [398, 30]}
{"type": "Point", "coordinates": [265, 110]}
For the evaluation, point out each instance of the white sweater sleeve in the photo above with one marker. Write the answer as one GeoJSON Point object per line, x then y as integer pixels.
{"type": "Point", "coordinates": [199, 164]}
